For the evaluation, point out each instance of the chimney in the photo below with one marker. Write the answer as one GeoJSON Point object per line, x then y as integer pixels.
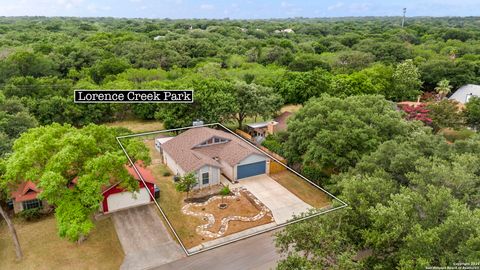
{"type": "Point", "coordinates": [271, 127]}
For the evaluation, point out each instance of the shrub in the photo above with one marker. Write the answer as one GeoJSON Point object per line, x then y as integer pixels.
{"type": "Point", "coordinates": [453, 135]}
{"type": "Point", "coordinates": [31, 214]}
{"type": "Point", "coordinates": [225, 191]}
{"type": "Point", "coordinates": [166, 173]}
{"type": "Point", "coordinates": [274, 144]}
{"type": "Point", "coordinates": [316, 175]}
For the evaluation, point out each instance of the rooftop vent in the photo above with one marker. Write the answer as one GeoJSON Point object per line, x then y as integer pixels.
{"type": "Point", "coordinates": [197, 123]}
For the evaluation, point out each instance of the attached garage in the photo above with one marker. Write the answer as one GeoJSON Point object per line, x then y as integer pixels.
{"type": "Point", "coordinates": [251, 169]}
{"type": "Point", "coordinates": [127, 199]}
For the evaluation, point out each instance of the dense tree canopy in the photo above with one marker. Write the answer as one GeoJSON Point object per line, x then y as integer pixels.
{"type": "Point", "coordinates": [14, 120]}
{"type": "Point", "coordinates": [413, 203]}
{"type": "Point", "coordinates": [334, 133]}
{"type": "Point", "coordinates": [42, 60]}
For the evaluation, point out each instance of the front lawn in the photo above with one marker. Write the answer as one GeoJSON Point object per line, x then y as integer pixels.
{"type": "Point", "coordinates": [302, 189]}
{"type": "Point", "coordinates": [241, 206]}
{"type": "Point", "coordinates": [171, 201]}
{"type": "Point", "coordinates": [44, 249]}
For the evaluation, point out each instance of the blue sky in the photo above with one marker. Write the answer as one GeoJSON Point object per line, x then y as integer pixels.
{"type": "Point", "coordinates": [234, 9]}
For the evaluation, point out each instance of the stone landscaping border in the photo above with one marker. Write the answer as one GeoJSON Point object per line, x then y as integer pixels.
{"type": "Point", "coordinates": [210, 218]}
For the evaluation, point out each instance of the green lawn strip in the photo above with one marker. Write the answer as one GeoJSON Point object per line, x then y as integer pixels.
{"type": "Point", "coordinates": [302, 189]}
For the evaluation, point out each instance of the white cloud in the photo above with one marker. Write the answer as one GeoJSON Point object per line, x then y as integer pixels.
{"type": "Point", "coordinates": [285, 4]}
{"type": "Point", "coordinates": [359, 7]}
{"type": "Point", "coordinates": [207, 6]}
{"type": "Point", "coordinates": [336, 6]}
{"type": "Point", "coordinates": [68, 4]}
{"type": "Point", "coordinates": [93, 8]}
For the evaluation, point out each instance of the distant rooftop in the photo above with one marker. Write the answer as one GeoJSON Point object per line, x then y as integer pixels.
{"type": "Point", "coordinates": [260, 124]}
{"type": "Point", "coordinates": [465, 92]}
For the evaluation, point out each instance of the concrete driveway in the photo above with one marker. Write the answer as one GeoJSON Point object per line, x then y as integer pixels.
{"type": "Point", "coordinates": [278, 199]}
{"type": "Point", "coordinates": [144, 238]}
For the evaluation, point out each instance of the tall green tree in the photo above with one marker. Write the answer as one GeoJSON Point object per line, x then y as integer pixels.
{"type": "Point", "coordinates": [53, 156]}
{"type": "Point", "coordinates": [14, 120]}
{"type": "Point", "coordinates": [213, 102]}
{"type": "Point", "coordinates": [298, 87]}
{"type": "Point", "coordinates": [254, 100]}
{"type": "Point", "coordinates": [186, 183]}
{"type": "Point", "coordinates": [472, 112]}
{"type": "Point", "coordinates": [443, 88]}
{"type": "Point", "coordinates": [25, 63]}
{"type": "Point", "coordinates": [406, 82]}
{"type": "Point", "coordinates": [334, 133]}
{"type": "Point", "coordinates": [445, 114]}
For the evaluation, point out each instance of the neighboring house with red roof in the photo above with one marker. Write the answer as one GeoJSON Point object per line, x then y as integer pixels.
{"type": "Point", "coordinates": [25, 197]}
{"type": "Point", "coordinates": [210, 153]}
{"type": "Point", "coordinates": [114, 197]}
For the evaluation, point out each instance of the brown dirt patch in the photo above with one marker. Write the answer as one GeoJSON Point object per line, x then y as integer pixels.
{"type": "Point", "coordinates": [242, 207]}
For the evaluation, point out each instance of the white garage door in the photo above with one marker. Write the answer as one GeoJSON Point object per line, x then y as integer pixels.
{"type": "Point", "coordinates": [125, 199]}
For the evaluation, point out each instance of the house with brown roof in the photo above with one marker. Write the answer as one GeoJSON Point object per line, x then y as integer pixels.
{"type": "Point", "coordinates": [210, 153]}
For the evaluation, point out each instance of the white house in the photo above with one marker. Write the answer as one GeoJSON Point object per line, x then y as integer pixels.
{"type": "Point", "coordinates": [464, 93]}
{"type": "Point", "coordinates": [210, 153]}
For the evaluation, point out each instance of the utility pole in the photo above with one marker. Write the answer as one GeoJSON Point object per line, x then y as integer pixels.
{"type": "Point", "coordinates": [403, 19]}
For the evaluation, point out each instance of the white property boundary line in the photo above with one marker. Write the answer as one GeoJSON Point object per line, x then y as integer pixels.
{"type": "Point", "coordinates": [344, 204]}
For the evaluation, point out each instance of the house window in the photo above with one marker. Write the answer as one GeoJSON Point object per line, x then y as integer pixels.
{"type": "Point", "coordinates": [205, 178]}
{"type": "Point", "coordinates": [31, 204]}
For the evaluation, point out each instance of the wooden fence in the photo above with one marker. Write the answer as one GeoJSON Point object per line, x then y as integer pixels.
{"type": "Point", "coordinates": [274, 167]}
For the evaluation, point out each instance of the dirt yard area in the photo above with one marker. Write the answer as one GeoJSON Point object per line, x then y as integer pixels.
{"type": "Point", "coordinates": [242, 206]}
{"type": "Point", "coordinates": [302, 189]}
{"type": "Point", "coordinates": [44, 249]}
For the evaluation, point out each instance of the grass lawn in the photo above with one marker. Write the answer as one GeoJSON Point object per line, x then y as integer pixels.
{"type": "Point", "coordinates": [171, 202]}
{"type": "Point", "coordinates": [291, 108]}
{"type": "Point", "coordinates": [44, 249]}
{"type": "Point", "coordinates": [302, 189]}
{"type": "Point", "coordinates": [138, 126]}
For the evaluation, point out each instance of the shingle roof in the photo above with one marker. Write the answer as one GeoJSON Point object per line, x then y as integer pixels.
{"type": "Point", "coordinates": [26, 191]}
{"type": "Point", "coordinates": [190, 158]}
{"type": "Point", "coordinates": [145, 172]}
{"type": "Point", "coordinates": [462, 94]}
